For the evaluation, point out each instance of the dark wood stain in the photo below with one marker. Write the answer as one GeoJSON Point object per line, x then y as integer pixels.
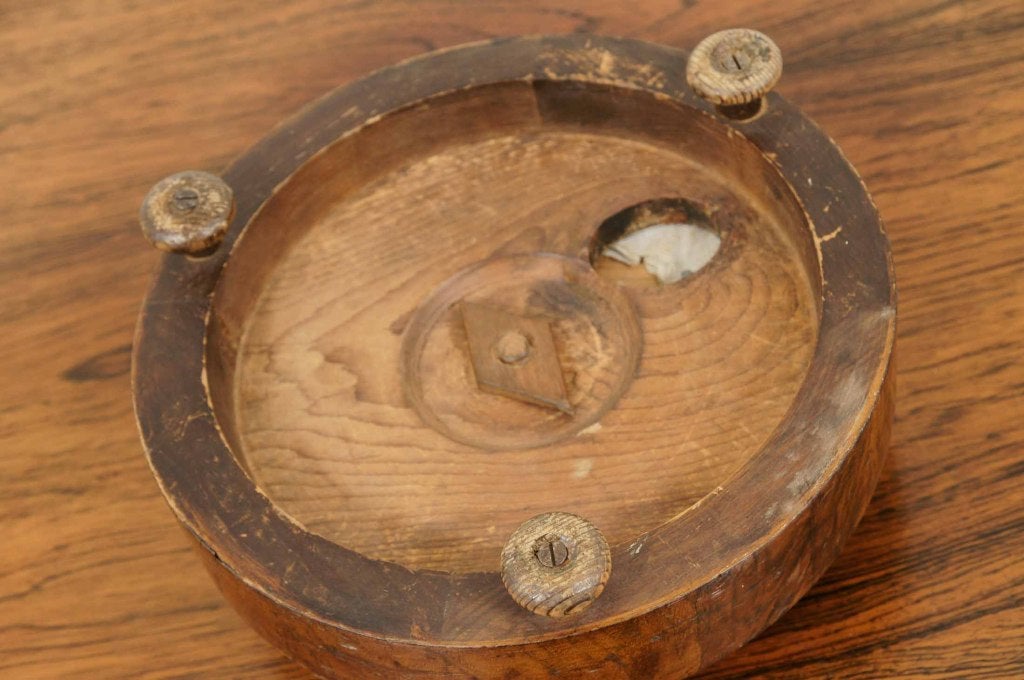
{"type": "Point", "coordinates": [307, 592]}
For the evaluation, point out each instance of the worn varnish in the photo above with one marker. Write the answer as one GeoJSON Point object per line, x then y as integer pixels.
{"type": "Point", "coordinates": [99, 105]}
{"type": "Point", "coordinates": [380, 371]}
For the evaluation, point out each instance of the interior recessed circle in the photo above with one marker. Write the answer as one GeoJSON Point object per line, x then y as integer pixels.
{"type": "Point", "coordinates": [305, 356]}
{"type": "Point", "coordinates": [589, 324]}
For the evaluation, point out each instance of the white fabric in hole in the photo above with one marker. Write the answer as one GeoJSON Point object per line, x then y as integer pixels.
{"type": "Point", "coordinates": [668, 251]}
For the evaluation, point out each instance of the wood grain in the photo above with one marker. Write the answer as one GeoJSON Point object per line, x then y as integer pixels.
{"type": "Point", "coordinates": [320, 409]}
{"type": "Point", "coordinates": [101, 100]}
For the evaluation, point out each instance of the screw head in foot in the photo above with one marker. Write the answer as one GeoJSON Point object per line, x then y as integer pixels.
{"type": "Point", "coordinates": [185, 200]}
{"type": "Point", "coordinates": [188, 212]}
{"type": "Point", "coordinates": [551, 551]}
{"type": "Point", "coordinates": [734, 68]}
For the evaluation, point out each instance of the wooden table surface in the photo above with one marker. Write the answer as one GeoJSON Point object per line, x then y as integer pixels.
{"type": "Point", "coordinates": [98, 100]}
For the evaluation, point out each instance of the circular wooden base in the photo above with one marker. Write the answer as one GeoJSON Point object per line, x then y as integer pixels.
{"type": "Point", "coordinates": [332, 431]}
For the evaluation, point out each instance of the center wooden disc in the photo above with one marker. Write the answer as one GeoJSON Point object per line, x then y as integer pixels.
{"type": "Point", "coordinates": [687, 380]}
{"type": "Point", "coordinates": [547, 301]}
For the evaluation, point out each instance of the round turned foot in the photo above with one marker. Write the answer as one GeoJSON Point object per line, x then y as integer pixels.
{"type": "Point", "coordinates": [187, 212]}
{"type": "Point", "coordinates": [734, 69]}
{"type": "Point", "coordinates": [555, 564]}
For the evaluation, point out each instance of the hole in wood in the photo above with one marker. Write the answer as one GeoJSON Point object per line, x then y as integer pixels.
{"type": "Point", "coordinates": [742, 112]}
{"type": "Point", "coordinates": [655, 242]}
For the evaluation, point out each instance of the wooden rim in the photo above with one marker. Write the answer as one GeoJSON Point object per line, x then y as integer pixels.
{"type": "Point", "coordinates": [806, 471]}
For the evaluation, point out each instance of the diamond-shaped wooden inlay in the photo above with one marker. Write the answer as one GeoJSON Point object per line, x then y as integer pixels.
{"type": "Point", "coordinates": [514, 356]}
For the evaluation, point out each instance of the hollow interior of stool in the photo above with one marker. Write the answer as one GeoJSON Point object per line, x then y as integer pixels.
{"type": "Point", "coordinates": [304, 352]}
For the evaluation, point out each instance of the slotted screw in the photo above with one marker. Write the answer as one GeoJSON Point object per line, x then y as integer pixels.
{"type": "Point", "coordinates": [551, 551]}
